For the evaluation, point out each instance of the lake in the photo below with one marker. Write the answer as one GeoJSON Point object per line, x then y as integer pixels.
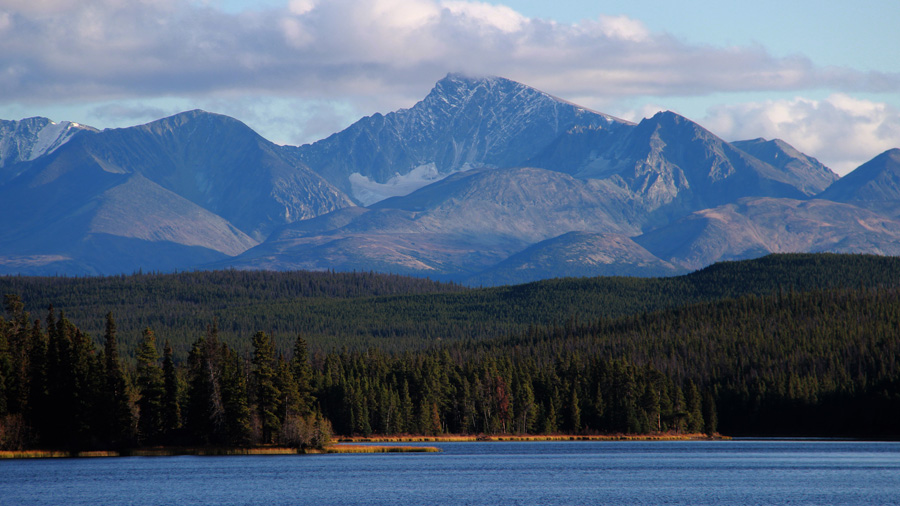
{"type": "Point", "coordinates": [534, 473]}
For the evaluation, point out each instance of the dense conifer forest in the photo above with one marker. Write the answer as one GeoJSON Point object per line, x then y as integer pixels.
{"type": "Point", "coordinates": [785, 345]}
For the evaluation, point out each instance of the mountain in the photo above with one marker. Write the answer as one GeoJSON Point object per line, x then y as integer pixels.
{"type": "Point", "coordinates": [485, 181]}
{"type": "Point", "coordinates": [201, 186]}
{"type": "Point", "coordinates": [754, 227]}
{"type": "Point", "coordinates": [673, 166]}
{"type": "Point", "coordinates": [463, 223]}
{"type": "Point", "coordinates": [811, 176]}
{"type": "Point", "coordinates": [220, 164]}
{"type": "Point", "coordinates": [31, 138]}
{"type": "Point", "coordinates": [874, 185]}
{"type": "Point", "coordinates": [580, 254]}
{"type": "Point", "coordinates": [464, 122]}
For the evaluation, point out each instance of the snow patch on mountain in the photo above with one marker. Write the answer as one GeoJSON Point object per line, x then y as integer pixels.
{"type": "Point", "coordinates": [52, 137]}
{"type": "Point", "coordinates": [368, 191]}
{"type": "Point", "coordinates": [30, 138]}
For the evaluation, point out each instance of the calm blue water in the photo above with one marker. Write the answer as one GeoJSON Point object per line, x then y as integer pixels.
{"type": "Point", "coordinates": [576, 473]}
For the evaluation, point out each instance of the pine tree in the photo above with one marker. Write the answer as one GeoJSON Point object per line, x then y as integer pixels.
{"type": "Point", "coordinates": [574, 411]}
{"type": "Point", "coordinates": [171, 418]}
{"type": "Point", "coordinates": [117, 408]}
{"type": "Point", "coordinates": [267, 394]}
{"type": "Point", "coordinates": [234, 399]}
{"type": "Point", "coordinates": [205, 412]}
{"type": "Point", "coordinates": [710, 419]}
{"type": "Point", "coordinates": [151, 388]}
{"type": "Point", "coordinates": [694, 404]}
{"type": "Point", "coordinates": [302, 372]}
{"type": "Point", "coordinates": [38, 411]}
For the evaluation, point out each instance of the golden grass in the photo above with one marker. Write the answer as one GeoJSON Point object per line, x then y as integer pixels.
{"type": "Point", "coordinates": [148, 452]}
{"type": "Point", "coordinates": [347, 445]}
{"type": "Point", "coordinates": [357, 448]}
{"type": "Point", "coordinates": [528, 437]}
{"type": "Point", "coordinates": [33, 454]}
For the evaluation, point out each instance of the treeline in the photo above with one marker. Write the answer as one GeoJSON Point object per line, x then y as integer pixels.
{"type": "Point", "coordinates": [817, 363]}
{"type": "Point", "coordinates": [396, 313]}
{"type": "Point", "coordinates": [57, 390]}
{"type": "Point", "coordinates": [821, 363]}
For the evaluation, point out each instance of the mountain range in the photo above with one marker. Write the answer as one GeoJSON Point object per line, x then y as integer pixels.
{"type": "Point", "coordinates": [485, 181]}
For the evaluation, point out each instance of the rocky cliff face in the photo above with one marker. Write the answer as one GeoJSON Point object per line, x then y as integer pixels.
{"type": "Point", "coordinates": [463, 123]}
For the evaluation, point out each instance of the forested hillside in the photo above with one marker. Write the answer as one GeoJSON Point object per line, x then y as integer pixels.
{"type": "Point", "coordinates": [396, 313]}
{"type": "Point", "coordinates": [787, 345]}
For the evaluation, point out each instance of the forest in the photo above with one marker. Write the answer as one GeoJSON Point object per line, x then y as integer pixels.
{"type": "Point", "coordinates": [787, 345]}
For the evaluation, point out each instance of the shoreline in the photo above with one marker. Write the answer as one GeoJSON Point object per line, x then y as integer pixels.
{"type": "Point", "coordinates": [336, 447]}
{"type": "Point", "coordinates": [350, 444]}
{"type": "Point", "coordinates": [525, 438]}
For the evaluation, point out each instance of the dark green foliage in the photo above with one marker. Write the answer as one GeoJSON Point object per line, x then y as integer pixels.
{"type": "Point", "coordinates": [171, 407]}
{"type": "Point", "coordinates": [151, 389]}
{"type": "Point", "coordinates": [302, 376]}
{"type": "Point", "coordinates": [115, 403]}
{"type": "Point", "coordinates": [806, 345]}
{"type": "Point", "coordinates": [205, 410]}
{"type": "Point", "coordinates": [268, 396]}
{"type": "Point", "coordinates": [395, 313]}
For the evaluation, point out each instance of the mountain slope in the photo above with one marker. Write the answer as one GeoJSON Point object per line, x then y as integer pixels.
{"type": "Point", "coordinates": [461, 224]}
{"type": "Point", "coordinates": [811, 177]}
{"type": "Point", "coordinates": [674, 166]}
{"type": "Point", "coordinates": [464, 122]}
{"type": "Point", "coordinates": [204, 185]}
{"type": "Point", "coordinates": [221, 165]}
{"type": "Point", "coordinates": [754, 227]}
{"type": "Point", "coordinates": [30, 138]}
{"type": "Point", "coordinates": [580, 254]}
{"type": "Point", "coordinates": [877, 180]}
{"type": "Point", "coordinates": [108, 234]}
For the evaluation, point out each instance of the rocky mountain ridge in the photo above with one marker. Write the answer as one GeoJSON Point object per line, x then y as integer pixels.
{"type": "Point", "coordinates": [484, 181]}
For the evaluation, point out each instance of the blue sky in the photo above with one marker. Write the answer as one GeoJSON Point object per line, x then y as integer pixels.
{"type": "Point", "coordinates": [824, 76]}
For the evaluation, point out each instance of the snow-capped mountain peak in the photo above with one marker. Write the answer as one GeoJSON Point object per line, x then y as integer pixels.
{"type": "Point", "coordinates": [30, 138]}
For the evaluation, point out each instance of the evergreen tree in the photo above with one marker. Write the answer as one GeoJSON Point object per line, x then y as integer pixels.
{"type": "Point", "coordinates": [151, 388]}
{"type": "Point", "coordinates": [205, 410]}
{"type": "Point", "coordinates": [694, 404]}
{"type": "Point", "coordinates": [115, 400]}
{"type": "Point", "coordinates": [267, 393]}
{"type": "Point", "coordinates": [574, 410]}
{"type": "Point", "coordinates": [710, 418]}
{"type": "Point", "coordinates": [38, 411]}
{"type": "Point", "coordinates": [171, 407]}
{"type": "Point", "coordinates": [302, 372]}
{"type": "Point", "coordinates": [236, 409]}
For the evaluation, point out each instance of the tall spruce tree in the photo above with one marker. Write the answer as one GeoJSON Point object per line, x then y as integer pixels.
{"type": "Point", "coordinates": [151, 389]}
{"type": "Point", "coordinates": [205, 410]}
{"type": "Point", "coordinates": [267, 393]}
{"type": "Point", "coordinates": [303, 376]}
{"type": "Point", "coordinates": [171, 407]}
{"type": "Point", "coordinates": [117, 412]}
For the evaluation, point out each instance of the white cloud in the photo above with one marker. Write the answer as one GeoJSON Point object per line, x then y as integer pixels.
{"type": "Point", "coordinates": [841, 131]}
{"type": "Point", "coordinates": [499, 17]}
{"type": "Point", "coordinates": [624, 28]}
{"type": "Point", "coordinates": [301, 7]}
{"type": "Point", "coordinates": [103, 49]}
{"type": "Point", "coordinates": [380, 55]}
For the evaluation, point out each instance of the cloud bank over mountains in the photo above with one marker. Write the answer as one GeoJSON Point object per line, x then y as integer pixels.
{"type": "Point", "coordinates": [381, 55]}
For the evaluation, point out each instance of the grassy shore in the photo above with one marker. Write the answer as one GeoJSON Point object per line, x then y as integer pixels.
{"type": "Point", "coordinates": [349, 445]}
{"type": "Point", "coordinates": [513, 437]}
{"type": "Point", "coordinates": [171, 452]}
